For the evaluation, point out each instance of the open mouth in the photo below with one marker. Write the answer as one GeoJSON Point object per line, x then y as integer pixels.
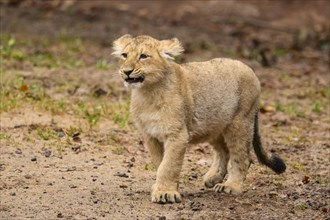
{"type": "Point", "coordinates": [134, 80]}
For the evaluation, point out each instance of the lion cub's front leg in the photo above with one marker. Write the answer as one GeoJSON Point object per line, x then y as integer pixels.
{"type": "Point", "coordinates": [156, 150]}
{"type": "Point", "coordinates": [168, 173]}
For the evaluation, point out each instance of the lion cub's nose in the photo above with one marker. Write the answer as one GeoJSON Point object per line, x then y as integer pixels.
{"type": "Point", "coordinates": [128, 71]}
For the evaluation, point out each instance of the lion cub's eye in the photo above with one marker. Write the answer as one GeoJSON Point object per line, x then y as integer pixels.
{"type": "Point", "coordinates": [143, 56]}
{"type": "Point", "coordinates": [124, 55]}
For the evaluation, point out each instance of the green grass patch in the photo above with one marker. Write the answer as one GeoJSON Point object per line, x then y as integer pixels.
{"type": "Point", "coordinates": [56, 107]}
{"type": "Point", "coordinates": [185, 178]}
{"type": "Point", "coordinates": [61, 52]}
{"type": "Point", "coordinates": [120, 113]}
{"type": "Point", "coordinates": [46, 133]}
{"type": "Point", "coordinates": [92, 111]}
{"type": "Point", "coordinates": [102, 64]}
{"type": "Point", "coordinates": [302, 206]}
{"type": "Point", "coordinates": [291, 109]}
{"type": "Point", "coordinates": [149, 167]}
{"type": "Point", "coordinates": [119, 150]}
{"type": "Point", "coordinates": [325, 92]}
{"type": "Point", "coordinates": [93, 117]}
{"type": "Point", "coordinates": [4, 136]}
{"type": "Point", "coordinates": [16, 91]}
{"type": "Point", "coordinates": [10, 92]}
{"type": "Point", "coordinates": [317, 107]}
{"type": "Point", "coordinates": [73, 130]}
{"type": "Point", "coordinates": [298, 166]}
{"type": "Point", "coordinates": [279, 52]}
{"type": "Point", "coordinates": [9, 50]}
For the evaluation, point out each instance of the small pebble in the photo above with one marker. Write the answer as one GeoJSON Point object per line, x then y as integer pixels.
{"type": "Point", "coordinates": [59, 215]}
{"type": "Point", "coordinates": [121, 174]}
{"type": "Point", "coordinates": [76, 134]}
{"type": "Point", "coordinates": [72, 186]}
{"type": "Point", "coordinates": [68, 169]}
{"type": "Point", "coordinates": [28, 176]}
{"type": "Point", "coordinates": [98, 163]}
{"type": "Point", "coordinates": [128, 194]}
{"type": "Point", "coordinates": [95, 201]}
{"type": "Point", "coordinates": [33, 158]}
{"type": "Point", "coordinates": [18, 151]}
{"type": "Point", "coordinates": [99, 92]}
{"type": "Point", "coordinates": [47, 153]}
{"type": "Point", "coordinates": [60, 134]}
{"type": "Point", "coordinates": [194, 175]}
{"type": "Point", "coordinates": [76, 138]}
{"type": "Point", "coordinates": [305, 179]}
{"type": "Point", "coordinates": [75, 148]}
{"type": "Point", "coordinates": [272, 194]}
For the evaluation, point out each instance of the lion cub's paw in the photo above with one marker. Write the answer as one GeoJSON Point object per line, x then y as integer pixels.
{"type": "Point", "coordinates": [231, 188]}
{"type": "Point", "coordinates": [211, 180]}
{"type": "Point", "coordinates": [165, 197]}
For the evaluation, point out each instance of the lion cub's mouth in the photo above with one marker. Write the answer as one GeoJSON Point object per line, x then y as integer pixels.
{"type": "Point", "coordinates": [135, 80]}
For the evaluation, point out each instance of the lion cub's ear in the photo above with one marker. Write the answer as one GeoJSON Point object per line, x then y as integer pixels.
{"type": "Point", "coordinates": [119, 44]}
{"type": "Point", "coordinates": [170, 48]}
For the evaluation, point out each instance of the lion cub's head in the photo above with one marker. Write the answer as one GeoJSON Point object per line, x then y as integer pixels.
{"type": "Point", "coordinates": [144, 59]}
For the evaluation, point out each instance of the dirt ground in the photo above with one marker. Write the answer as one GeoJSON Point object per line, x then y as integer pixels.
{"type": "Point", "coordinates": [69, 149]}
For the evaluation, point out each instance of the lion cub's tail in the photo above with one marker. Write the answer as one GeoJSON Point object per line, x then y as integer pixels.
{"type": "Point", "coordinates": [271, 160]}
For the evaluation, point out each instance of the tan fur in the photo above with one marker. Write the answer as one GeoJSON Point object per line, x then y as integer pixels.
{"type": "Point", "coordinates": [177, 105]}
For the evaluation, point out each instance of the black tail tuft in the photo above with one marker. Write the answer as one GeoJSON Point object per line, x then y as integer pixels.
{"type": "Point", "coordinates": [274, 162]}
{"type": "Point", "coordinates": [277, 164]}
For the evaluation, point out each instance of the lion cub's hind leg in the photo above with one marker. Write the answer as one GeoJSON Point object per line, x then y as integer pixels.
{"type": "Point", "coordinates": [218, 169]}
{"type": "Point", "coordinates": [238, 137]}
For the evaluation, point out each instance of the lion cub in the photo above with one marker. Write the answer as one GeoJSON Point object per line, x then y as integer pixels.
{"type": "Point", "coordinates": [175, 105]}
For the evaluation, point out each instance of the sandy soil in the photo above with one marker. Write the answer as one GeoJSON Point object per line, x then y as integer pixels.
{"type": "Point", "coordinates": [70, 151]}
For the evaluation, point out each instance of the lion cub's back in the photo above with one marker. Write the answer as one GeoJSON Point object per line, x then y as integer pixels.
{"type": "Point", "coordinates": [217, 88]}
{"type": "Point", "coordinates": [220, 72]}
{"type": "Point", "coordinates": [218, 67]}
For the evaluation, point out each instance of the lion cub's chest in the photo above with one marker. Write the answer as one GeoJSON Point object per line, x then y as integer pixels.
{"type": "Point", "coordinates": [152, 123]}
